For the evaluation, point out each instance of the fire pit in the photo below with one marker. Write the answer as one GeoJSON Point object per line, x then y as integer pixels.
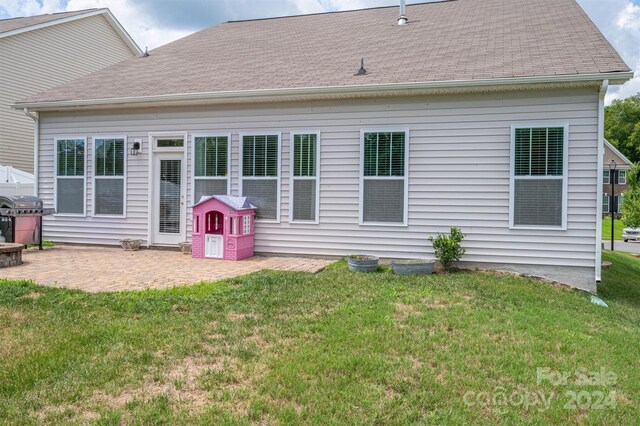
{"type": "Point", "coordinates": [10, 254]}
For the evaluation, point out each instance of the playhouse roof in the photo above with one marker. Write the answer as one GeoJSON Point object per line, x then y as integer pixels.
{"type": "Point", "coordinates": [237, 203]}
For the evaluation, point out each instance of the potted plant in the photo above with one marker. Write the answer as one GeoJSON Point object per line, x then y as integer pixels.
{"type": "Point", "coordinates": [408, 267]}
{"type": "Point", "coordinates": [130, 244]}
{"type": "Point", "coordinates": [185, 247]}
{"type": "Point", "coordinates": [362, 263]}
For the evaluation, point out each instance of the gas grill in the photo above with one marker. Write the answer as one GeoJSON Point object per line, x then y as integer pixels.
{"type": "Point", "coordinates": [21, 219]}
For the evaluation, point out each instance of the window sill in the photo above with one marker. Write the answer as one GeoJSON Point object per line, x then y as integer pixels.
{"type": "Point", "coordinates": [378, 224]}
{"type": "Point", "coordinates": [69, 215]}
{"type": "Point", "coordinates": [538, 228]}
{"type": "Point", "coordinates": [304, 222]}
{"type": "Point", "coordinates": [267, 221]}
{"type": "Point", "coordinates": [109, 216]}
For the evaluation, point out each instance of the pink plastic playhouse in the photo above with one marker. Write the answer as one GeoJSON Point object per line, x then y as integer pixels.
{"type": "Point", "coordinates": [223, 228]}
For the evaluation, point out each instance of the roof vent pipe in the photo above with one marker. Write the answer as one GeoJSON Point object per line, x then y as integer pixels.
{"type": "Point", "coordinates": [403, 20]}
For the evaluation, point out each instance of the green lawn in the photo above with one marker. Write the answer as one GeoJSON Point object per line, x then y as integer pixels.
{"type": "Point", "coordinates": [336, 347]}
{"type": "Point", "coordinates": [606, 229]}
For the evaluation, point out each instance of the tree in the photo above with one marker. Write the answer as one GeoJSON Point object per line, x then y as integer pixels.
{"type": "Point", "coordinates": [631, 205]}
{"type": "Point", "coordinates": [622, 126]}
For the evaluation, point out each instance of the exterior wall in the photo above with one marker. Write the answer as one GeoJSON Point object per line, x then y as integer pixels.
{"type": "Point", "coordinates": [458, 174]}
{"type": "Point", "coordinates": [38, 60]}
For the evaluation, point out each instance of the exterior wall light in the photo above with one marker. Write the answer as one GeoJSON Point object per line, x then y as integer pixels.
{"type": "Point", "coordinates": [135, 149]}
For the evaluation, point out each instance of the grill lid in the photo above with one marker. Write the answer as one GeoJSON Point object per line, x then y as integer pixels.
{"type": "Point", "coordinates": [20, 202]}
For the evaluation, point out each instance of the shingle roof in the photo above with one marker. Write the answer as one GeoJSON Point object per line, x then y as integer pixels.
{"type": "Point", "coordinates": [24, 22]}
{"type": "Point", "coordinates": [444, 41]}
{"type": "Point", "coordinates": [236, 203]}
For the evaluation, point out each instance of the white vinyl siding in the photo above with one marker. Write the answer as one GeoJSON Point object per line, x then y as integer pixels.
{"type": "Point", "coordinates": [605, 203]}
{"type": "Point", "coordinates": [622, 177]}
{"type": "Point", "coordinates": [34, 61]}
{"type": "Point", "coordinates": [304, 204]}
{"type": "Point", "coordinates": [384, 172]}
{"type": "Point", "coordinates": [211, 165]}
{"type": "Point", "coordinates": [260, 173]}
{"type": "Point", "coordinates": [70, 180]}
{"type": "Point", "coordinates": [459, 164]}
{"type": "Point", "coordinates": [539, 163]}
{"type": "Point", "coordinates": [109, 176]}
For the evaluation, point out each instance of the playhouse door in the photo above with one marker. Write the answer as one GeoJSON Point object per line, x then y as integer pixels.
{"type": "Point", "coordinates": [213, 246]}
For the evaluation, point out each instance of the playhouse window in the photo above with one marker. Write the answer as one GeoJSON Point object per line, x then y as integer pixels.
{"type": "Point", "coordinates": [215, 223]}
{"type": "Point", "coordinates": [211, 166]}
{"type": "Point", "coordinates": [261, 173]}
{"type": "Point", "coordinates": [246, 221]}
{"type": "Point", "coordinates": [304, 179]}
{"type": "Point", "coordinates": [196, 224]}
{"type": "Point", "coordinates": [383, 188]}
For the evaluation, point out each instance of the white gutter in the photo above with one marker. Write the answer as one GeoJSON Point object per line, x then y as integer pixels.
{"type": "Point", "coordinates": [328, 90]}
{"type": "Point", "coordinates": [36, 147]}
{"type": "Point", "coordinates": [600, 151]}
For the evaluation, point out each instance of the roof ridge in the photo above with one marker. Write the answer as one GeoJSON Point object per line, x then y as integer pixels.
{"type": "Point", "coordinates": [55, 13]}
{"type": "Point", "coordinates": [335, 12]}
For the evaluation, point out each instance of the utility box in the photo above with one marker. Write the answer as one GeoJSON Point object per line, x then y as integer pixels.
{"type": "Point", "coordinates": [223, 228]}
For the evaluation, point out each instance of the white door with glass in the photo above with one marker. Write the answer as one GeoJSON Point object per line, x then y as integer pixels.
{"type": "Point", "coordinates": [169, 198]}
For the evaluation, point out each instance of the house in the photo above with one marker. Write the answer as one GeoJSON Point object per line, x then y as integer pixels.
{"type": "Point", "coordinates": [623, 164]}
{"type": "Point", "coordinates": [351, 134]}
{"type": "Point", "coordinates": [41, 52]}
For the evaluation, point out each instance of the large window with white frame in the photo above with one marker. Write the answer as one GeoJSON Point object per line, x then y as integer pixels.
{"type": "Point", "coordinates": [384, 183]}
{"type": "Point", "coordinates": [605, 203]}
{"type": "Point", "coordinates": [109, 177]}
{"type": "Point", "coordinates": [211, 165]}
{"type": "Point", "coordinates": [539, 176]}
{"type": "Point", "coordinates": [305, 179]}
{"type": "Point", "coordinates": [260, 173]}
{"type": "Point", "coordinates": [70, 180]}
{"type": "Point", "coordinates": [606, 176]}
{"type": "Point", "coordinates": [622, 177]}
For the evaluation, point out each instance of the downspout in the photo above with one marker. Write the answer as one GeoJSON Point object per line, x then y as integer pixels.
{"type": "Point", "coordinates": [600, 151]}
{"type": "Point", "coordinates": [36, 146]}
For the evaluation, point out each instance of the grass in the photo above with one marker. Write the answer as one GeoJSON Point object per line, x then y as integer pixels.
{"type": "Point", "coordinates": [606, 229]}
{"type": "Point", "coordinates": [333, 348]}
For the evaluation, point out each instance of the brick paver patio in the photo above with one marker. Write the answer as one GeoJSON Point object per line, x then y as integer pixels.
{"type": "Point", "coordinates": [97, 269]}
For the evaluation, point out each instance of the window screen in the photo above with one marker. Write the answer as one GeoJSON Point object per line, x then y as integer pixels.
{"type": "Point", "coordinates": [211, 166]}
{"type": "Point", "coordinates": [539, 173]}
{"type": "Point", "coordinates": [384, 177]}
{"type": "Point", "coordinates": [70, 176]}
{"type": "Point", "coordinates": [305, 178]}
{"type": "Point", "coordinates": [260, 171]}
{"type": "Point", "coordinates": [109, 186]}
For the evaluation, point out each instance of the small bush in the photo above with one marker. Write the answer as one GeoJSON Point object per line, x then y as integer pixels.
{"type": "Point", "coordinates": [448, 248]}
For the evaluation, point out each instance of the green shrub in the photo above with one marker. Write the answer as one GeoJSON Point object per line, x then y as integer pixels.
{"type": "Point", "coordinates": [448, 248]}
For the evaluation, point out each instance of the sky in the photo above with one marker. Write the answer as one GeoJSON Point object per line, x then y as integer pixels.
{"type": "Point", "coordinates": [153, 23]}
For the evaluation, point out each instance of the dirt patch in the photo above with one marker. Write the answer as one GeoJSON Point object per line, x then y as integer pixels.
{"type": "Point", "coordinates": [235, 316]}
{"type": "Point", "coordinates": [32, 295]}
{"type": "Point", "coordinates": [404, 311]}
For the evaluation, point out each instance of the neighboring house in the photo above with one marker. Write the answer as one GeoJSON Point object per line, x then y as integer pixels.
{"type": "Point", "coordinates": [486, 115]}
{"type": "Point", "coordinates": [41, 52]}
{"type": "Point", "coordinates": [623, 164]}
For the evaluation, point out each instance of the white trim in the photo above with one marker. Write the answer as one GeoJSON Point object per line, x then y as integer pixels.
{"type": "Point", "coordinates": [56, 177]}
{"type": "Point", "coordinates": [606, 181]}
{"type": "Point", "coordinates": [599, 189]}
{"type": "Point", "coordinates": [152, 152]}
{"type": "Point", "coordinates": [608, 203]}
{"type": "Point", "coordinates": [193, 161]}
{"type": "Point", "coordinates": [407, 145]}
{"type": "Point", "coordinates": [94, 177]}
{"type": "Point", "coordinates": [617, 152]}
{"type": "Point", "coordinates": [241, 136]}
{"type": "Point", "coordinates": [565, 174]}
{"type": "Point", "coordinates": [625, 177]}
{"type": "Point", "coordinates": [292, 178]}
{"type": "Point", "coordinates": [371, 89]}
{"type": "Point", "coordinates": [92, 12]}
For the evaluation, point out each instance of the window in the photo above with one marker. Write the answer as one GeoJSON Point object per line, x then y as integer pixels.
{"type": "Point", "coordinates": [211, 166]}
{"type": "Point", "coordinates": [619, 202]}
{"type": "Point", "coordinates": [246, 225]}
{"type": "Point", "coordinates": [170, 143]}
{"type": "Point", "coordinates": [605, 203]}
{"type": "Point", "coordinates": [304, 183]}
{"type": "Point", "coordinates": [606, 175]}
{"type": "Point", "coordinates": [260, 179]}
{"type": "Point", "coordinates": [70, 176]}
{"type": "Point", "coordinates": [538, 184]}
{"type": "Point", "coordinates": [383, 186]}
{"type": "Point", "coordinates": [109, 185]}
{"type": "Point", "coordinates": [622, 177]}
